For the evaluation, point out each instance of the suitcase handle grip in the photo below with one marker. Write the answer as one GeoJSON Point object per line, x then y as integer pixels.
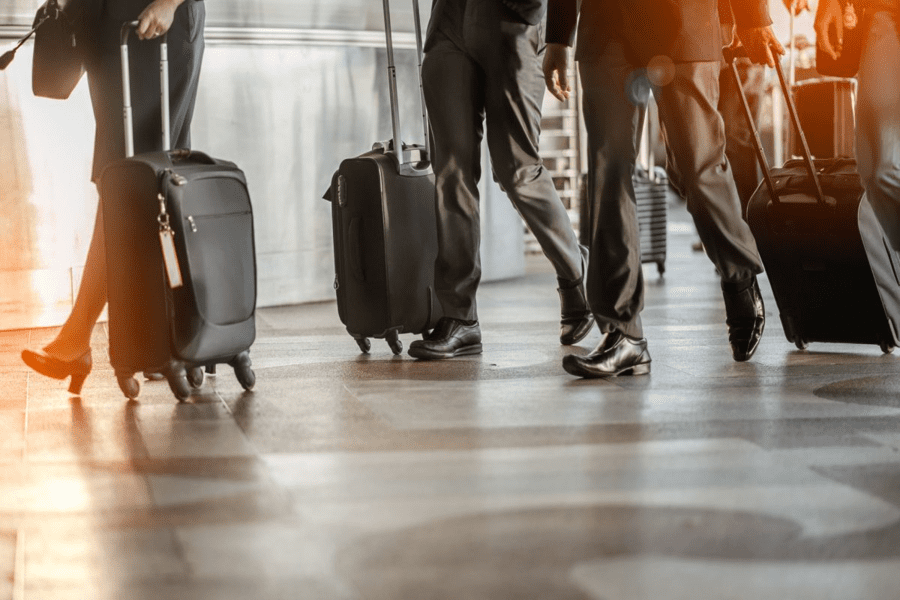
{"type": "Point", "coordinates": [124, 33]}
{"type": "Point", "coordinates": [192, 156]}
{"type": "Point", "coordinates": [730, 55]}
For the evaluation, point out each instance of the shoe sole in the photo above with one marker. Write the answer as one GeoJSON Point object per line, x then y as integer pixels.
{"type": "Point", "coordinates": [580, 371]}
{"type": "Point", "coordinates": [424, 354]}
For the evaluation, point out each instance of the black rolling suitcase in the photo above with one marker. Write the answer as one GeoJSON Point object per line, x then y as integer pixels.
{"type": "Point", "coordinates": [385, 231]}
{"type": "Point", "coordinates": [833, 273]}
{"type": "Point", "coordinates": [180, 260]}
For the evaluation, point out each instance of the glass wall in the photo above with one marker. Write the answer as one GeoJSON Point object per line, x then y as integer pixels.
{"type": "Point", "coordinates": [289, 88]}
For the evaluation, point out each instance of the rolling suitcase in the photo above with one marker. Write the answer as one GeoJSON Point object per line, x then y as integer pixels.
{"type": "Point", "coordinates": [650, 193]}
{"type": "Point", "coordinates": [385, 231]}
{"type": "Point", "coordinates": [833, 273]}
{"type": "Point", "coordinates": [181, 264]}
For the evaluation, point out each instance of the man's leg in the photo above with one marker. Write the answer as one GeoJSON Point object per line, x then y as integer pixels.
{"type": "Point", "coordinates": [878, 122]}
{"type": "Point", "coordinates": [454, 95]}
{"type": "Point", "coordinates": [513, 98]}
{"type": "Point", "coordinates": [615, 276]}
{"type": "Point", "coordinates": [695, 138]}
{"type": "Point", "coordinates": [453, 86]}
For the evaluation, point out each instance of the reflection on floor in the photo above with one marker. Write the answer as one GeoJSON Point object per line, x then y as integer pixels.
{"type": "Point", "coordinates": [496, 477]}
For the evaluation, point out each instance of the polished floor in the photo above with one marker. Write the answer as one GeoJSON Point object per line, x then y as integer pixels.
{"type": "Point", "coordinates": [344, 476]}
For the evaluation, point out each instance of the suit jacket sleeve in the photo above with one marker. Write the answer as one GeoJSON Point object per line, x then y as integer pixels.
{"type": "Point", "coordinates": [751, 13]}
{"type": "Point", "coordinates": [562, 19]}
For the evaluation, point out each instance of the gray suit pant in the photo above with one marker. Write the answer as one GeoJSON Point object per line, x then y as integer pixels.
{"type": "Point", "coordinates": [695, 140]}
{"type": "Point", "coordinates": [496, 79]}
{"type": "Point", "coordinates": [878, 121]}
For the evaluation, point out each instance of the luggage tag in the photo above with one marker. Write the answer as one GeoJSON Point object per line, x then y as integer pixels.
{"type": "Point", "coordinates": [167, 242]}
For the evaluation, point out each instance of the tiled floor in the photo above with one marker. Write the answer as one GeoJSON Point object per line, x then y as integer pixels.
{"type": "Point", "coordinates": [494, 477]}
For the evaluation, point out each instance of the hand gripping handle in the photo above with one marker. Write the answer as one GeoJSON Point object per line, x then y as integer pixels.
{"type": "Point", "coordinates": [730, 55]}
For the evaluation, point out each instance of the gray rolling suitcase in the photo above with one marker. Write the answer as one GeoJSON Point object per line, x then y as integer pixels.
{"type": "Point", "coordinates": [650, 193]}
{"type": "Point", "coordinates": [181, 265]}
{"type": "Point", "coordinates": [385, 231]}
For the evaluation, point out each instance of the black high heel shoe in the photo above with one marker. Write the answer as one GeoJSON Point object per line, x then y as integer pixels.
{"type": "Point", "coordinates": [49, 366]}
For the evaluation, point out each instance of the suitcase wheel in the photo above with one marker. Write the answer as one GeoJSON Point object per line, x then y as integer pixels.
{"type": "Point", "coordinates": [364, 344]}
{"type": "Point", "coordinates": [245, 375]}
{"type": "Point", "coordinates": [887, 347]}
{"type": "Point", "coordinates": [396, 346]}
{"type": "Point", "coordinates": [211, 369]}
{"type": "Point", "coordinates": [801, 343]}
{"type": "Point", "coordinates": [195, 377]}
{"type": "Point", "coordinates": [178, 381]}
{"type": "Point", "coordinates": [129, 386]}
{"type": "Point", "coordinates": [394, 342]}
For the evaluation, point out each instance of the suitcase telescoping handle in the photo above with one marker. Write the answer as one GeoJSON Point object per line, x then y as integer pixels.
{"type": "Point", "coordinates": [403, 156]}
{"type": "Point", "coordinates": [125, 32]}
{"type": "Point", "coordinates": [730, 55]}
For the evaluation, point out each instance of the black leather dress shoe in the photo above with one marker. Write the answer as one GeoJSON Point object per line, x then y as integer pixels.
{"type": "Point", "coordinates": [450, 338]}
{"type": "Point", "coordinates": [745, 317]}
{"type": "Point", "coordinates": [618, 354]}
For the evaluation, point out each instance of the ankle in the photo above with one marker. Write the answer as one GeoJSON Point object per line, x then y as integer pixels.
{"type": "Point", "coordinates": [568, 284]}
{"type": "Point", "coordinates": [736, 287]}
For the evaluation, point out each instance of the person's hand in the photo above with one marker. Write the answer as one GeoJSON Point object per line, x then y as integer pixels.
{"type": "Point", "coordinates": [761, 45]}
{"type": "Point", "coordinates": [799, 7]}
{"type": "Point", "coordinates": [157, 18]}
{"type": "Point", "coordinates": [830, 15]}
{"type": "Point", "coordinates": [556, 71]}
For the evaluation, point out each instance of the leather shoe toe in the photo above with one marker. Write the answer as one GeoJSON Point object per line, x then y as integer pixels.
{"type": "Point", "coordinates": [618, 354]}
{"type": "Point", "coordinates": [450, 338]}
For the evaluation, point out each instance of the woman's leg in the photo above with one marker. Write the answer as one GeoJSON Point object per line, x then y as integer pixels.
{"type": "Point", "coordinates": [75, 337]}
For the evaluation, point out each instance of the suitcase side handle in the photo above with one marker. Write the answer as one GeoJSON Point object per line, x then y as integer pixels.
{"type": "Point", "coordinates": [730, 55]}
{"type": "Point", "coordinates": [124, 33]}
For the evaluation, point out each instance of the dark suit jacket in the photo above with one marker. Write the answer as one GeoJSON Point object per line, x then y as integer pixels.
{"type": "Point", "coordinates": [683, 30]}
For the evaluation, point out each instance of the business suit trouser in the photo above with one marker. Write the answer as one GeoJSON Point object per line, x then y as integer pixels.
{"type": "Point", "coordinates": [878, 120]}
{"type": "Point", "coordinates": [695, 140]}
{"type": "Point", "coordinates": [495, 79]}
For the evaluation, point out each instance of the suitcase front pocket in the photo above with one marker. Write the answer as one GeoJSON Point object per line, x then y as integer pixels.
{"type": "Point", "coordinates": [219, 252]}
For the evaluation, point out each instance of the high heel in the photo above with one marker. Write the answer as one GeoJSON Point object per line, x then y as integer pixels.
{"type": "Point", "coordinates": [49, 366]}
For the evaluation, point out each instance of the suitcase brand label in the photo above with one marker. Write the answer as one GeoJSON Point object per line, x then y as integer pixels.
{"type": "Point", "coordinates": [170, 258]}
{"type": "Point", "coordinates": [167, 243]}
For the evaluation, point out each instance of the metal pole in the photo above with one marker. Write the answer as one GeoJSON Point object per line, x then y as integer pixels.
{"type": "Point", "coordinates": [418, 22]}
{"type": "Point", "coordinates": [392, 82]}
